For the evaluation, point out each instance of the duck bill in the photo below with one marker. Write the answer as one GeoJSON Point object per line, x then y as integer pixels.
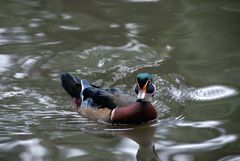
{"type": "Point", "coordinates": [141, 94]}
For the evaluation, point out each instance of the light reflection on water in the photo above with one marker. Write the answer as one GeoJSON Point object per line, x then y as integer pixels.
{"type": "Point", "coordinates": [230, 158]}
{"type": "Point", "coordinates": [5, 62]}
{"type": "Point", "coordinates": [109, 43]}
{"type": "Point", "coordinates": [212, 93]}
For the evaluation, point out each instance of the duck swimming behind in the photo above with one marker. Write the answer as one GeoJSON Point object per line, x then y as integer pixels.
{"type": "Point", "coordinates": [110, 104]}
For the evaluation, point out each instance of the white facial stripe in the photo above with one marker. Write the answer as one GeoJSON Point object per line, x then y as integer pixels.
{"type": "Point", "coordinates": [81, 93]}
{"type": "Point", "coordinates": [112, 114]}
{"type": "Point", "coordinates": [154, 88]}
{"type": "Point", "coordinates": [141, 94]}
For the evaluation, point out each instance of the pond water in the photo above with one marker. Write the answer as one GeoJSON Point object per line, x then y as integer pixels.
{"type": "Point", "coordinates": [191, 47]}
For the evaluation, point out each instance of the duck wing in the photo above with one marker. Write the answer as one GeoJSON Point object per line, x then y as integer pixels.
{"type": "Point", "coordinates": [94, 96]}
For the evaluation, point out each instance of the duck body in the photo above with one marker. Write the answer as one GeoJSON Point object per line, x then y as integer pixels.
{"type": "Point", "coordinates": [135, 113]}
{"type": "Point", "coordinates": [107, 104]}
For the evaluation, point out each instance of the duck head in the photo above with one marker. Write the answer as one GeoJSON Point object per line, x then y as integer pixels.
{"type": "Point", "coordinates": [144, 87]}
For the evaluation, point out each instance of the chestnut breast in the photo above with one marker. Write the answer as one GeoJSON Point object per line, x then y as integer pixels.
{"type": "Point", "coordinates": [135, 113]}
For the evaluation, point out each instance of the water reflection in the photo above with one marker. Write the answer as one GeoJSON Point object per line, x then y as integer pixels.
{"type": "Point", "coordinates": [143, 0]}
{"type": "Point", "coordinates": [144, 137]}
{"type": "Point", "coordinates": [212, 93]}
{"type": "Point", "coordinates": [5, 62]}
{"type": "Point", "coordinates": [108, 42]}
{"type": "Point", "coordinates": [230, 158]}
{"type": "Point", "coordinates": [178, 90]}
{"type": "Point", "coordinates": [28, 150]}
{"type": "Point", "coordinates": [179, 150]}
{"type": "Point", "coordinates": [68, 27]}
{"type": "Point", "coordinates": [26, 67]}
{"type": "Point", "coordinates": [15, 34]}
{"type": "Point", "coordinates": [154, 143]}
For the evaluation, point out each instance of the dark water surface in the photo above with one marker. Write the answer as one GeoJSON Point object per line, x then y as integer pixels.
{"type": "Point", "coordinates": [192, 48]}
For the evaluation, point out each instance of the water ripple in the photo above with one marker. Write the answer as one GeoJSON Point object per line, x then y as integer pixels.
{"type": "Point", "coordinates": [216, 138]}
{"type": "Point", "coordinates": [212, 93]}
{"type": "Point", "coordinates": [5, 62]}
{"type": "Point", "coordinates": [231, 9]}
{"type": "Point", "coordinates": [72, 152]}
{"type": "Point", "coordinates": [113, 59]}
{"type": "Point", "coordinates": [17, 34]}
{"type": "Point", "coordinates": [68, 27]}
{"type": "Point", "coordinates": [143, 0]}
{"type": "Point", "coordinates": [230, 158]}
{"type": "Point", "coordinates": [26, 67]}
{"type": "Point", "coordinates": [179, 91]}
{"type": "Point", "coordinates": [32, 149]}
{"type": "Point", "coordinates": [201, 124]}
{"type": "Point", "coordinates": [207, 145]}
{"type": "Point", "coordinates": [16, 92]}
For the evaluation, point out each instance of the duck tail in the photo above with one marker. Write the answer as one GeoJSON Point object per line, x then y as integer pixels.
{"type": "Point", "coordinates": [71, 84]}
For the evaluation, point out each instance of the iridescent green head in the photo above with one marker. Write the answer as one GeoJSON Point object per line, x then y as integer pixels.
{"type": "Point", "coordinates": [144, 86]}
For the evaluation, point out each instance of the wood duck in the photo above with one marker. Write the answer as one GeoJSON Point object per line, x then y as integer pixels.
{"type": "Point", "coordinates": [112, 105]}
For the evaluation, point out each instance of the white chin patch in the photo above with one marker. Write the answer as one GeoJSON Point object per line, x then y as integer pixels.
{"type": "Point", "coordinates": [141, 95]}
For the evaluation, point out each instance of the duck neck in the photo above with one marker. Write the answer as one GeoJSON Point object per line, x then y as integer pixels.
{"type": "Point", "coordinates": [148, 98]}
{"type": "Point", "coordinates": [143, 101]}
